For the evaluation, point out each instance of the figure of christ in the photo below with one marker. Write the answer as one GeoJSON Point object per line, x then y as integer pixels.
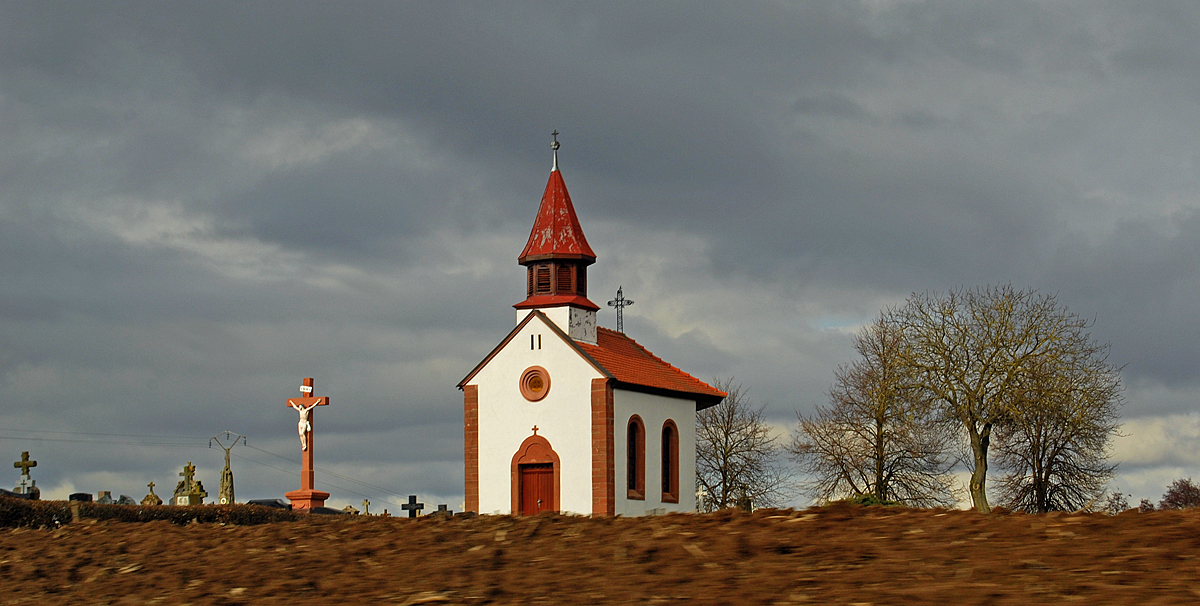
{"type": "Point", "coordinates": [304, 426]}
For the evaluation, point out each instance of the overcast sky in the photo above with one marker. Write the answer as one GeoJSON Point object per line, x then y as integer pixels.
{"type": "Point", "coordinates": [202, 203]}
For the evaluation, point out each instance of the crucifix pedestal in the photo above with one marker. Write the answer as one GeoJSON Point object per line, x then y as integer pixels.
{"type": "Point", "coordinates": [307, 497]}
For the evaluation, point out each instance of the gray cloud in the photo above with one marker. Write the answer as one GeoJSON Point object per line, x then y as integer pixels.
{"type": "Point", "coordinates": [199, 206]}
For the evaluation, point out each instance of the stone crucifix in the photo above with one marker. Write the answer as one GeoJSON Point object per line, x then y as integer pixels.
{"type": "Point", "coordinates": [307, 497]}
{"type": "Point", "coordinates": [27, 485]}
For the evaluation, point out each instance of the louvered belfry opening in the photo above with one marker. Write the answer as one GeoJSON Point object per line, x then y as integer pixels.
{"type": "Point", "coordinates": [559, 277]}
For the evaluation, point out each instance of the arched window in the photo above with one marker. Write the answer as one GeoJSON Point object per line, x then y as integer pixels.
{"type": "Point", "coordinates": [670, 462]}
{"type": "Point", "coordinates": [635, 458]}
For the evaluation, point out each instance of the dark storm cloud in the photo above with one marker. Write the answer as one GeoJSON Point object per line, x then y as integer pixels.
{"type": "Point", "coordinates": [200, 204]}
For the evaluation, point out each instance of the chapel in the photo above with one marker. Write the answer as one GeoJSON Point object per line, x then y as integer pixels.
{"type": "Point", "coordinates": [567, 416]}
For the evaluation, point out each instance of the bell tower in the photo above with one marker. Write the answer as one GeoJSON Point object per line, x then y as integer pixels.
{"type": "Point", "coordinates": [556, 259]}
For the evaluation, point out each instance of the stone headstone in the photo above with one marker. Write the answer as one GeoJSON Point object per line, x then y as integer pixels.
{"type": "Point", "coordinates": [126, 500]}
{"type": "Point", "coordinates": [442, 511]}
{"type": "Point", "coordinates": [151, 499]}
{"type": "Point", "coordinates": [82, 497]}
{"type": "Point", "coordinates": [350, 510]}
{"type": "Point", "coordinates": [189, 490]}
{"type": "Point", "coordinates": [27, 486]}
{"type": "Point", "coordinates": [104, 497]}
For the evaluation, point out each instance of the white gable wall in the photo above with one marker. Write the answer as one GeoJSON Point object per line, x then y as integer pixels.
{"type": "Point", "coordinates": [654, 411]}
{"type": "Point", "coordinates": [563, 417]}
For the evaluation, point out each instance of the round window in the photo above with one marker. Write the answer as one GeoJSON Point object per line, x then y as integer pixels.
{"type": "Point", "coordinates": [535, 383]}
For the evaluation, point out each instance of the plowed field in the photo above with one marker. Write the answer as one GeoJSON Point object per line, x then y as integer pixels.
{"type": "Point", "coordinates": [834, 555]}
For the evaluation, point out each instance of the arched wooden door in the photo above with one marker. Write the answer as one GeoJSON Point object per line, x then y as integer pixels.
{"type": "Point", "coordinates": [535, 477]}
{"type": "Point", "coordinates": [537, 488]}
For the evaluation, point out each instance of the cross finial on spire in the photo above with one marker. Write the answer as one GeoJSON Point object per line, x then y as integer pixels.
{"type": "Point", "coordinates": [554, 146]}
{"type": "Point", "coordinates": [620, 303]}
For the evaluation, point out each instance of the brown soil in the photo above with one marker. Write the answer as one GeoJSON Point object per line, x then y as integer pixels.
{"type": "Point", "coordinates": [835, 555]}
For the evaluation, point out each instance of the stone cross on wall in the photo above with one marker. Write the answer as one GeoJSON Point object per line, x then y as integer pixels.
{"type": "Point", "coordinates": [308, 496]}
{"type": "Point", "coordinates": [412, 506]}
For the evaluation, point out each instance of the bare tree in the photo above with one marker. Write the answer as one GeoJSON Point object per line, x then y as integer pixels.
{"type": "Point", "coordinates": [1181, 494]}
{"type": "Point", "coordinates": [878, 436]}
{"type": "Point", "coordinates": [1055, 441]}
{"type": "Point", "coordinates": [972, 349]}
{"type": "Point", "coordinates": [737, 458]}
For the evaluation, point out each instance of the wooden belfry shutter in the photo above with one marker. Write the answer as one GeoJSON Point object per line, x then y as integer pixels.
{"type": "Point", "coordinates": [543, 279]}
{"type": "Point", "coordinates": [564, 279]}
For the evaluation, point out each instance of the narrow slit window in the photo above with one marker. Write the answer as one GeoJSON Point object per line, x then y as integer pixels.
{"type": "Point", "coordinates": [635, 459]}
{"type": "Point", "coordinates": [670, 462]}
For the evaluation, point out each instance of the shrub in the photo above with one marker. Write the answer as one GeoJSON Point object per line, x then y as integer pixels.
{"type": "Point", "coordinates": [16, 512]}
{"type": "Point", "coordinates": [1182, 494]}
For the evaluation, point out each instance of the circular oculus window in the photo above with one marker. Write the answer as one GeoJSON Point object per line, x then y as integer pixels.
{"type": "Point", "coordinates": [535, 383]}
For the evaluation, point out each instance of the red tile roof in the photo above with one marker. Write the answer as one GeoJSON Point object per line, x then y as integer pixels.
{"type": "Point", "coordinates": [630, 363]}
{"type": "Point", "coordinates": [556, 232]}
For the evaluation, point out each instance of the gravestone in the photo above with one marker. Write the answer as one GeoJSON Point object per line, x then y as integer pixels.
{"type": "Point", "coordinates": [412, 506]}
{"type": "Point", "coordinates": [104, 497]}
{"type": "Point", "coordinates": [126, 500]}
{"type": "Point", "coordinates": [189, 490]}
{"type": "Point", "coordinates": [82, 497]}
{"type": "Point", "coordinates": [442, 511]}
{"type": "Point", "coordinates": [27, 485]}
{"type": "Point", "coordinates": [151, 499]}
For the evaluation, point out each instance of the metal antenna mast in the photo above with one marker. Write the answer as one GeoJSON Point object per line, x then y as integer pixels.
{"type": "Point", "coordinates": [225, 495]}
{"type": "Point", "coordinates": [620, 303]}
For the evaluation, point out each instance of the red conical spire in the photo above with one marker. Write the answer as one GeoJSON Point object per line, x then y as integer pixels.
{"type": "Point", "coordinates": [557, 254]}
{"type": "Point", "coordinates": [556, 233]}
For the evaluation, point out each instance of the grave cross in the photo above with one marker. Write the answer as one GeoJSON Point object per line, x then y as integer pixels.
{"type": "Point", "coordinates": [412, 506]}
{"type": "Point", "coordinates": [27, 485]}
{"type": "Point", "coordinates": [189, 471]}
{"type": "Point", "coordinates": [620, 303]}
{"type": "Point", "coordinates": [304, 405]}
{"type": "Point", "coordinates": [25, 463]}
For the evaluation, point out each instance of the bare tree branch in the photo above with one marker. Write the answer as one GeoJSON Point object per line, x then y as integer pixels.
{"type": "Point", "coordinates": [736, 455]}
{"type": "Point", "coordinates": [879, 435]}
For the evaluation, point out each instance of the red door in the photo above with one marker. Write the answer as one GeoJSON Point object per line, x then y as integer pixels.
{"type": "Point", "coordinates": [537, 488]}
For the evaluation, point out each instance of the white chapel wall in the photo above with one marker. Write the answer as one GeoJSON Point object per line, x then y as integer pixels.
{"type": "Point", "coordinates": [654, 411]}
{"type": "Point", "coordinates": [563, 417]}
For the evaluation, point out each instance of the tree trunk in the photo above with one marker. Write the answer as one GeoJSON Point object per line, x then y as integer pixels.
{"type": "Point", "coordinates": [880, 493]}
{"type": "Point", "coordinates": [979, 446]}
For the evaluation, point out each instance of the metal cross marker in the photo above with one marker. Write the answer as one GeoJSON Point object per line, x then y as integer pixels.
{"type": "Point", "coordinates": [412, 506]}
{"type": "Point", "coordinates": [620, 303]}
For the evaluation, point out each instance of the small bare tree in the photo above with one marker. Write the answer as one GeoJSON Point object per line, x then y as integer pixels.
{"type": "Point", "coordinates": [737, 458]}
{"type": "Point", "coordinates": [1055, 441]}
{"type": "Point", "coordinates": [1181, 494]}
{"type": "Point", "coordinates": [879, 435]}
